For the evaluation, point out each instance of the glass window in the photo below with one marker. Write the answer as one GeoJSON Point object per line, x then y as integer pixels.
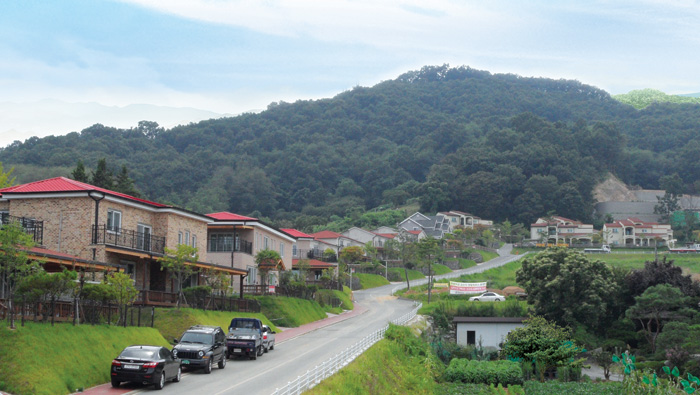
{"type": "Point", "coordinates": [179, 237]}
{"type": "Point", "coordinates": [187, 237]}
{"type": "Point", "coordinates": [114, 220]}
{"type": "Point", "coordinates": [267, 240]}
{"type": "Point", "coordinates": [294, 250]}
{"type": "Point", "coordinates": [194, 241]}
{"type": "Point", "coordinates": [282, 249]}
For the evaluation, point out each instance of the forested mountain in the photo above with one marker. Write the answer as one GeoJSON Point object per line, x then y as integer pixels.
{"type": "Point", "coordinates": [497, 145]}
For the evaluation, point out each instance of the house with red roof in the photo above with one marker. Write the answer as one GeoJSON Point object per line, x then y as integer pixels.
{"type": "Point", "coordinates": [556, 229]}
{"type": "Point", "coordinates": [99, 229]}
{"type": "Point", "coordinates": [635, 232]}
{"type": "Point", "coordinates": [233, 240]}
{"type": "Point", "coordinates": [336, 241]}
{"type": "Point", "coordinates": [465, 220]}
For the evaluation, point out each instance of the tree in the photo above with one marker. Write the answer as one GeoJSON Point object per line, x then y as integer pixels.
{"type": "Point", "coordinates": [217, 280]}
{"type": "Point", "coordinates": [427, 250]}
{"type": "Point", "coordinates": [5, 177]}
{"type": "Point", "coordinates": [267, 261]}
{"type": "Point", "coordinates": [102, 176]}
{"type": "Point", "coordinates": [404, 249]}
{"type": "Point", "coordinates": [125, 184]}
{"type": "Point", "coordinates": [656, 306]}
{"type": "Point", "coordinates": [178, 263]}
{"type": "Point", "coordinates": [660, 272]}
{"type": "Point", "coordinates": [542, 343]}
{"type": "Point", "coordinates": [567, 288]}
{"type": "Point", "coordinates": [122, 291]}
{"type": "Point", "coordinates": [14, 261]}
{"type": "Point", "coordinates": [350, 255]}
{"type": "Point", "coordinates": [79, 173]}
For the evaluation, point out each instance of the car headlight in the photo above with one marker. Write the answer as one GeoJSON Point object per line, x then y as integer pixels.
{"type": "Point", "coordinates": [175, 353]}
{"type": "Point", "coordinates": [201, 354]}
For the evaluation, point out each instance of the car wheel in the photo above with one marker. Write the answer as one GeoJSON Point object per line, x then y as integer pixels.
{"type": "Point", "coordinates": [161, 383]}
{"type": "Point", "coordinates": [265, 350]}
{"type": "Point", "coordinates": [272, 347]}
{"type": "Point", "coordinates": [254, 355]}
{"type": "Point", "coordinates": [476, 300]}
{"type": "Point", "coordinates": [497, 300]}
{"type": "Point", "coordinates": [115, 383]}
{"type": "Point", "coordinates": [178, 376]}
{"type": "Point", "coordinates": [222, 361]}
{"type": "Point", "coordinates": [207, 369]}
{"type": "Point", "coordinates": [260, 351]}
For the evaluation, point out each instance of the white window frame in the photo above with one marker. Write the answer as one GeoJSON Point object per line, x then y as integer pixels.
{"type": "Point", "coordinates": [141, 242]}
{"type": "Point", "coordinates": [111, 218]}
{"type": "Point", "coordinates": [266, 242]}
{"type": "Point", "coordinates": [281, 250]}
{"type": "Point", "coordinates": [187, 237]}
{"type": "Point", "coordinates": [179, 237]}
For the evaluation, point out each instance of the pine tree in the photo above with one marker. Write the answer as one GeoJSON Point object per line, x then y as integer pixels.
{"type": "Point", "coordinates": [79, 174]}
{"type": "Point", "coordinates": [102, 177]}
{"type": "Point", "coordinates": [125, 184]}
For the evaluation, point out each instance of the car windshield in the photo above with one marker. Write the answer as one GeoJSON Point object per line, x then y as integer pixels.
{"type": "Point", "coordinates": [138, 353]}
{"type": "Point", "coordinates": [249, 324]}
{"type": "Point", "coordinates": [194, 337]}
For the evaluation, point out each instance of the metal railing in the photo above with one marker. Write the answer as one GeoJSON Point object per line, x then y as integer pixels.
{"type": "Point", "coordinates": [31, 226]}
{"type": "Point", "coordinates": [131, 239]}
{"type": "Point", "coordinates": [329, 367]}
{"type": "Point", "coordinates": [226, 245]}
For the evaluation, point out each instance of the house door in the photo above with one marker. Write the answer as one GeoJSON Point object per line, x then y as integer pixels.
{"type": "Point", "coordinates": [143, 237]}
{"type": "Point", "coordinates": [157, 277]}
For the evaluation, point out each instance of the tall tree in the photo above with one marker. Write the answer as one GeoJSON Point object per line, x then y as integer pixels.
{"type": "Point", "coordinates": [6, 179]}
{"type": "Point", "coordinates": [428, 250]}
{"type": "Point", "coordinates": [125, 184]}
{"type": "Point", "coordinates": [102, 176]}
{"type": "Point", "coordinates": [267, 261]}
{"type": "Point", "coordinates": [79, 173]}
{"type": "Point", "coordinates": [178, 262]}
{"type": "Point", "coordinates": [14, 261]}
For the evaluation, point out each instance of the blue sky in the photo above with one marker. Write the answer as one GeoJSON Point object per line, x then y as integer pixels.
{"type": "Point", "coordinates": [231, 56]}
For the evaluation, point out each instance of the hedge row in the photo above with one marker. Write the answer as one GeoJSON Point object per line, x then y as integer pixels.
{"type": "Point", "coordinates": [484, 372]}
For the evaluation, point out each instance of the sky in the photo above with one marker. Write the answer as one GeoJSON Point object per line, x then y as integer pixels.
{"type": "Point", "coordinates": [67, 64]}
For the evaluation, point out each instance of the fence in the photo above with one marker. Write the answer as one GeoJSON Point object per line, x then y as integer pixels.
{"type": "Point", "coordinates": [90, 312]}
{"type": "Point", "coordinates": [328, 368]}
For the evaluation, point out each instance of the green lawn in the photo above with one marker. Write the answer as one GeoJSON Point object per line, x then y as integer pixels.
{"type": "Point", "coordinates": [412, 274]}
{"type": "Point", "coordinates": [499, 277]}
{"type": "Point", "coordinates": [689, 262]}
{"type": "Point", "coordinates": [171, 323]}
{"type": "Point", "coordinates": [371, 280]}
{"type": "Point", "coordinates": [41, 359]}
{"type": "Point", "coordinates": [466, 263]}
{"type": "Point", "coordinates": [290, 312]}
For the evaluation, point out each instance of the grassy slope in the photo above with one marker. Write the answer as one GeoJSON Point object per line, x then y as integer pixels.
{"type": "Point", "coordinates": [466, 263]}
{"type": "Point", "coordinates": [499, 277]}
{"type": "Point", "coordinates": [78, 357]}
{"type": "Point", "coordinates": [371, 280]}
{"type": "Point", "coordinates": [439, 269]}
{"type": "Point", "coordinates": [412, 274]}
{"type": "Point", "coordinates": [172, 322]}
{"type": "Point", "coordinates": [290, 312]}
{"type": "Point", "coordinates": [398, 365]}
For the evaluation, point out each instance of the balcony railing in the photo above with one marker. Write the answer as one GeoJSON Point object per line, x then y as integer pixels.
{"type": "Point", "coordinates": [32, 227]}
{"type": "Point", "coordinates": [311, 254]}
{"type": "Point", "coordinates": [226, 245]}
{"type": "Point", "coordinates": [126, 238]}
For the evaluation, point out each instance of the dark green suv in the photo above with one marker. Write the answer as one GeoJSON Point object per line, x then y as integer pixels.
{"type": "Point", "coordinates": [201, 347]}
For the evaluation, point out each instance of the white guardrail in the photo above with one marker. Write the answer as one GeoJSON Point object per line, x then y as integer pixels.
{"type": "Point", "coordinates": [334, 364]}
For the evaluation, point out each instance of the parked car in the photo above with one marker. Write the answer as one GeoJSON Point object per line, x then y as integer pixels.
{"type": "Point", "coordinates": [245, 337]}
{"type": "Point", "coordinates": [147, 365]}
{"type": "Point", "coordinates": [268, 338]}
{"type": "Point", "coordinates": [488, 297]}
{"type": "Point", "coordinates": [202, 346]}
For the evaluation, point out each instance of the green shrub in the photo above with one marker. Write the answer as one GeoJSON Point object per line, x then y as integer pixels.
{"type": "Point", "coordinates": [557, 387]}
{"type": "Point", "coordinates": [484, 372]}
{"type": "Point", "coordinates": [654, 366]}
{"type": "Point", "coordinates": [569, 373]}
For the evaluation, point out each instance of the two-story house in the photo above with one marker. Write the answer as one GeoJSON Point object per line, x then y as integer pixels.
{"type": "Point", "coordinates": [233, 240]}
{"type": "Point", "coordinates": [556, 229]}
{"type": "Point", "coordinates": [336, 241]}
{"type": "Point", "coordinates": [434, 226]}
{"type": "Point", "coordinates": [112, 229]}
{"type": "Point", "coordinates": [465, 220]}
{"type": "Point", "coordinates": [635, 232]}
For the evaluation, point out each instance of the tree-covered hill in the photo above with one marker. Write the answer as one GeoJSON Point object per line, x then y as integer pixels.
{"type": "Point", "coordinates": [498, 145]}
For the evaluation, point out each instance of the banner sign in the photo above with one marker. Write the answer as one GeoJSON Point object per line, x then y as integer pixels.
{"type": "Point", "coordinates": [466, 288]}
{"type": "Point", "coordinates": [440, 285]}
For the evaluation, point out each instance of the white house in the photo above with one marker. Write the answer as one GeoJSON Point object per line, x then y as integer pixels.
{"type": "Point", "coordinates": [635, 232]}
{"type": "Point", "coordinates": [490, 331]}
{"type": "Point", "coordinates": [556, 229]}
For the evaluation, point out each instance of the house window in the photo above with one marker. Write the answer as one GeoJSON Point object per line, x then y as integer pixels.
{"type": "Point", "coordinates": [471, 338]}
{"type": "Point", "coordinates": [267, 240]}
{"type": "Point", "coordinates": [187, 237]}
{"type": "Point", "coordinates": [221, 242]}
{"type": "Point", "coordinates": [194, 241]}
{"type": "Point", "coordinates": [252, 275]}
{"type": "Point", "coordinates": [143, 240]}
{"type": "Point", "coordinates": [281, 249]}
{"type": "Point", "coordinates": [614, 230]}
{"type": "Point", "coordinates": [179, 237]}
{"type": "Point", "coordinates": [294, 250]}
{"type": "Point", "coordinates": [114, 220]}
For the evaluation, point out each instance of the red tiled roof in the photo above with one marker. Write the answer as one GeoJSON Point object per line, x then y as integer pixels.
{"type": "Point", "coordinates": [326, 234]}
{"type": "Point", "coordinates": [45, 251]}
{"type": "Point", "coordinates": [296, 233]}
{"type": "Point", "coordinates": [613, 225]}
{"type": "Point", "coordinates": [415, 232]}
{"type": "Point", "coordinates": [226, 216]}
{"type": "Point", "coordinates": [63, 184]}
{"type": "Point", "coordinates": [387, 235]}
{"type": "Point", "coordinates": [314, 263]}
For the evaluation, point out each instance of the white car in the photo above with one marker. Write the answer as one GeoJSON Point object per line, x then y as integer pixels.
{"type": "Point", "coordinates": [487, 297]}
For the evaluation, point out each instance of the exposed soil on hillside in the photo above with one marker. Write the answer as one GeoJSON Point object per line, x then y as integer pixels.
{"type": "Point", "coordinates": [613, 190]}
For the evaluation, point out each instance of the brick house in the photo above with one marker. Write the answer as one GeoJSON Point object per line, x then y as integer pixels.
{"type": "Point", "coordinates": [233, 240]}
{"type": "Point", "coordinates": [113, 230]}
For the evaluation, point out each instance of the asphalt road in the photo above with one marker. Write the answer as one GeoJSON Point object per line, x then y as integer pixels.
{"type": "Point", "coordinates": [294, 357]}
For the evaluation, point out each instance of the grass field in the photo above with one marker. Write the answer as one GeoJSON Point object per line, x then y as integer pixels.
{"type": "Point", "coordinates": [371, 280]}
{"type": "Point", "coordinates": [439, 269]}
{"type": "Point", "coordinates": [499, 277]}
{"type": "Point", "coordinates": [290, 312]}
{"type": "Point", "coordinates": [41, 359]}
{"type": "Point", "coordinates": [689, 262]}
{"type": "Point", "coordinates": [412, 274]}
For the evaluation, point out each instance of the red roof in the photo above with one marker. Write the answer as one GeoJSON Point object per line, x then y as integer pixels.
{"type": "Point", "coordinates": [387, 235]}
{"type": "Point", "coordinates": [326, 234]}
{"type": "Point", "coordinates": [63, 184]}
{"type": "Point", "coordinates": [226, 216]}
{"type": "Point", "coordinates": [296, 233]}
{"type": "Point", "coordinates": [415, 232]}
{"type": "Point", "coordinates": [314, 263]}
{"type": "Point", "coordinates": [44, 251]}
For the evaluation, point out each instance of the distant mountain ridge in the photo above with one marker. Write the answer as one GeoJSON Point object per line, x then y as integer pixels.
{"type": "Point", "coordinates": [500, 146]}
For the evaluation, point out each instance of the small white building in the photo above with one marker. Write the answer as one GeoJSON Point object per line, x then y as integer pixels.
{"type": "Point", "coordinates": [491, 331]}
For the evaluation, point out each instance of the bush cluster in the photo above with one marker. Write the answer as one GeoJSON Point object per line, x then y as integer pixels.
{"type": "Point", "coordinates": [484, 372]}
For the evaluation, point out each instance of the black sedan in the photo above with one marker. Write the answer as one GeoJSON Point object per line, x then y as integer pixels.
{"type": "Point", "coordinates": [147, 365]}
